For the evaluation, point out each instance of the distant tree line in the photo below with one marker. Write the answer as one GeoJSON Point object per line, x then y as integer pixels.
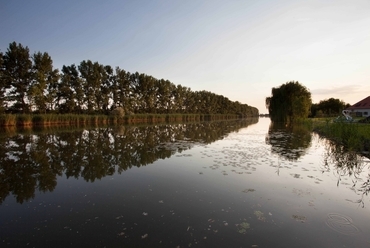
{"type": "Point", "coordinates": [30, 84]}
{"type": "Point", "coordinates": [292, 101]}
{"type": "Point", "coordinates": [328, 107]}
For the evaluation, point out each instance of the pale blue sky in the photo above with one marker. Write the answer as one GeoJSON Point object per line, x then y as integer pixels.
{"type": "Point", "coordinates": [239, 49]}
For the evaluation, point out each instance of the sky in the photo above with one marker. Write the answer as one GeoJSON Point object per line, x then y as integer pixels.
{"type": "Point", "coordinates": [240, 49]}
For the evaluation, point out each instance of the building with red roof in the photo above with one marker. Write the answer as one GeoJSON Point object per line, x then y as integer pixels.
{"type": "Point", "coordinates": [361, 108]}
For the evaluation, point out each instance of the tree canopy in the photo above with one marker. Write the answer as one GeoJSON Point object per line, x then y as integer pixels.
{"type": "Point", "coordinates": [17, 75]}
{"type": "Point", "coordinates": [328, 107]}
{"type": "Point", "coordinates": [31, 84]}
{"type": "Point", "coordinates": [289, 102]}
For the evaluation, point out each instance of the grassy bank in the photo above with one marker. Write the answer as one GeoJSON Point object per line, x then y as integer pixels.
{"type": "Point", "coordinates": [27, 120]}
{"type": "Point", "coordinates": [354, 136]}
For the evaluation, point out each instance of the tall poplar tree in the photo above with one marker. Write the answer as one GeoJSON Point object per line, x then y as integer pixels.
{"type": "Point", "coordinates": [94, 76]}
{"type": "Point", "coordinates": [42, 90]}
{"type": "Point", "coordinates": [122, 90]}
{"type": "Point", "coordinates": [70, 96]}
{"type": "Point", "coordinates": [17, 76]}
{"type": "Point", "coordinates": [106, 88]}
{"type": "Point", "coordinates": [2, 85]}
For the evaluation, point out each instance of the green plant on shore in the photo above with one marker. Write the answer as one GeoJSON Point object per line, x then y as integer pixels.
{"type": "Point", "coordinates": [354, 136]}
{"type": "Point", "coordinates": [31, 120]}
{"type": "Point", "coordinates": [7, 120]}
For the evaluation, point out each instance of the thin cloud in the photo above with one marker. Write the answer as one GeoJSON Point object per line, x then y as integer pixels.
{"type": "Point", "coordinates": [348, 89]}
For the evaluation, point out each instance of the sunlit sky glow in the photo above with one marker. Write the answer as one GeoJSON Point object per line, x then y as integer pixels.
{"type": "Point", "coordinates": [238, 49]}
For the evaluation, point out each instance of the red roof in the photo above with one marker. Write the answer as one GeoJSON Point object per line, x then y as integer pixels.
{"type": "Point", "coordinates": [363, 104]}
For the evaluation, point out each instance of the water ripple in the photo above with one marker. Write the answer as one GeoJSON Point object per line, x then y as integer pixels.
{"type": "Point", "coordinates": [341, 224]}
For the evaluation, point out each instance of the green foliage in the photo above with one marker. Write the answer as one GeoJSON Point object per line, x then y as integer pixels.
{"type": "Point", "coordinates": [289, 103]}
{"type": "Point", "coordinates": [24, 119]}
{"type": "Point", "coordinates": [354, 136]}
{"type": "Point", "coordinates": [42, 90]}
{"type": "Point", "coordinates": [118, 112]}
{"type": "Point", "coordinates": [85, 119]}
{"type": "Point", "coordinates": [17, 75]}
{"type": "Point", "coordinates": [7, 120]}
{"type": "Point", "coordinates": [2, 85]}
{"type": "Point", "coordinates": [330, 107]}
{"type": "Point", "coordinates": [92, 88]}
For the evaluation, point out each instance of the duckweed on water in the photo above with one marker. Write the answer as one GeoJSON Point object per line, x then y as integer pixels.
{"type": "Point", "coordinates": [243, 227]}
{"type": "Point", "coordinates": [299, 218]}
{"type": "Point", "coordinates": [259, 215]}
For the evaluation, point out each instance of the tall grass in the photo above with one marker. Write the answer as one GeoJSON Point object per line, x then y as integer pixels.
{"type": "Point", "coordinates": [354, 136]}
{"type": "Point", "coordinates": [8, 120]}
{"type": "Point", "coordinates": [25, 120]}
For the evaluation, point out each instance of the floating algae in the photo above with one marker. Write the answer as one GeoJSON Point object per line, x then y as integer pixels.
{"type": "Point", "coordinates": [299, 218]}
{"type": "Point", "coordinates": [259, 215]}
{"type": "Point", "coordinates": [243, 227]}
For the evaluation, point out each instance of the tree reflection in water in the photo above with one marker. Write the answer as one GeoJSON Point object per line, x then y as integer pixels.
{"type": "Point", "coordinates": [30, 162]}
{"type": "Point", "coordinates": [347, 163]}
{"type": "Point", "coordinates": [289, 142]}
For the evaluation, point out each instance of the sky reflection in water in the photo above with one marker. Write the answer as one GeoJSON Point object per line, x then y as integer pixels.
{"type": "Point", "coordinates": [258, 186]}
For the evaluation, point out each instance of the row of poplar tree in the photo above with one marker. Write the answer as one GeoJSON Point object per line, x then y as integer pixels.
{"type": "Point", "coordinates": [31, 84]}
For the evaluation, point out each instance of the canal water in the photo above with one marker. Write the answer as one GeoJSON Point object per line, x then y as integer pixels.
{"type": "Point", "coordinates": [212, 184]}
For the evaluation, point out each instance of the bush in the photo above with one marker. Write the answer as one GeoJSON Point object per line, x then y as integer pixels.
{"type": "Point", "coordinates": [7, 120]}
{"type": "Point", "coordinates": [119, 112]}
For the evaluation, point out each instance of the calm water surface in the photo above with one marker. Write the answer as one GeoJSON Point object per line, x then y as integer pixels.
{"type": "Point", "coordinates": [218, 184]}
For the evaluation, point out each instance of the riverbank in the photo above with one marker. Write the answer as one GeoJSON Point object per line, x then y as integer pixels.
{"type": "Point", "coordinates": [30, 120]}
{"type": "Point", "coordinates": [352, 135]}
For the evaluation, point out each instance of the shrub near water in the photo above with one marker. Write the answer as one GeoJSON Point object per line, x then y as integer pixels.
{"type": "Point", "coordinates": [8, 120]}
{"type": "Point", "coordinates": [24, 120]}
{"type": "Point", "coordinates": [116, 117]}
{"type": "Point", "coordinates": [348, 134]}
{"type": "Point", "coordinates": [354, 136]}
